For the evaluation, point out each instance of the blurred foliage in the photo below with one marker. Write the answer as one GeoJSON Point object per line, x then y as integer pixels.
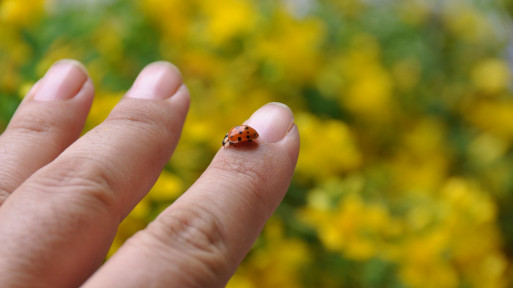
{"type": "Point", "coordinates": [405, 112]}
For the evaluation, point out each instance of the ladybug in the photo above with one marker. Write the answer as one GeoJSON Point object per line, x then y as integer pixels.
{"type": "Point", "coordinates": [241, 133]}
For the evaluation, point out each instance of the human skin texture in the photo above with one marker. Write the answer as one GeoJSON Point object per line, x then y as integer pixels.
{"type": "Point", "coordinates": [63, 196]}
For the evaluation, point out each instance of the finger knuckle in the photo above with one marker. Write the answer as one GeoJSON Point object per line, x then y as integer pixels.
{"type": "Point", "coordinates": [32, 122]}
{"type": "Point", "coordinates": [196, 232]}
{"type": "Point", "coordinates": [79, 182]}
{"type": "Point", "coordinates": [192, 226]}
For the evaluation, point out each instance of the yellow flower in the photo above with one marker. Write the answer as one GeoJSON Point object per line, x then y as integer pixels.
{"type": "Point", "coordinates": [102, 105]}
{"type": "Point", "coordinates": [485, 149]}
{"type": "Point", "coordinates": [361, 227]}
{"type": "Point", "coordinates": [291, 47]}
{"type": "Point", "coordinates": [167, 187]}
{"type": "Point", "coordinates": [109, 42]}
{"type": "Point", "coordinates": [229, 19]}
{"type": "Point", "coordinates": [369, 94]}
{"type": "Point", "coordinates": [352, 226]}
{"type": "Point", "coordinates": [171, 16]}
{"type": "Point", "coordinates": [491, 76]}
{"type": "Point", "coordinates": [275, 263]}
{"type": "Point", "coordinates": [328, 148]}
{"type": "Point", "coordinates": [424, 266]}
{"type": "Point", "coordinates": [492, 116]}
{"type": "Point", "coordinates": [457, 241]}
{"type": "Point", "coordinates": [370, 90]}
{"type": "Point", "coordinates": [14, 52]}
{"type": "Point", "coordinates": [20, 13]}
{"type": "Point", "coordinates": [421, 163]}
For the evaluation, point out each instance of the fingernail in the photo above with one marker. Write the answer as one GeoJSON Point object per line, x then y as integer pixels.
{"type": "Point", "coordinates": [272, 121]}
{"type": "Point", "coordinates": [62, 81]}
{"type": "Point", "coordinates": [159, 80]}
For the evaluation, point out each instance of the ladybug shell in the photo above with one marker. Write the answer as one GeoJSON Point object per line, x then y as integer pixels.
{"type": "Point", "coordinates": [241, 133]}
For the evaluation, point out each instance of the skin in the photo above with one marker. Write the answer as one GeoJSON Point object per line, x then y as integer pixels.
{"type": "Point", "coordinates": [63, 196]}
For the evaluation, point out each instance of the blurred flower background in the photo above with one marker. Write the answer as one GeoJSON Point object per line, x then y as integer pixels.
{"type": "Point", "coordinates": [405, 110]}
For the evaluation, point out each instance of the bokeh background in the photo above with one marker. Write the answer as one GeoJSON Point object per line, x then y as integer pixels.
{"type": "Point", "coordinates": [405, 111]}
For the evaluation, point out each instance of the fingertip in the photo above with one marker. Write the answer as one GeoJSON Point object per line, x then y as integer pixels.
{"type": "Point", "coordinates": [74, 63]}
{"type": "Point", "coordinates": [158, 80]}
{"type": "Point", "coordinates": [275, 123]}
{"type": "Point", "coordinates": [272, 121]}
{"type": "Point", "coordinates": [62, 81]}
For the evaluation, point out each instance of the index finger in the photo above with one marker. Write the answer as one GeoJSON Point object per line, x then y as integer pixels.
{"type": "Point", "coordinates": [200, 239]}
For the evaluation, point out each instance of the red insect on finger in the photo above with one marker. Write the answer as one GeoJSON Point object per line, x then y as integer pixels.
{"type": "Point", "coordinates": [238, 134]}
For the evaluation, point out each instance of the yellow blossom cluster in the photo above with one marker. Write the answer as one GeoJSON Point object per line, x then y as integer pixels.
{"type": "Point", "coordinates": [404, 108]}
{"type": "Point", "coordinates": [444, 239]}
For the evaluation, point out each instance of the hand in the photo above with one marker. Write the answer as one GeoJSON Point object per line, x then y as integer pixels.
{"type": "Point", "coordinates": [62, 197]}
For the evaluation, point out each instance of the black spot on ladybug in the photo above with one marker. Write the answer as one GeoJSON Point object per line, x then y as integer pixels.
{"type": "Point", "coordinates": [240, 132]}
{"type": "Point", "coordinates": [248, 137]}
{"type": "Point", "coordinates": [246, 128]}
{"type": "Point", "coordinates": [247, 132]}
{"type": "Point", "coordinates": [250, 140]}
{"type": "Point", "coordinates": [239, 138]}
